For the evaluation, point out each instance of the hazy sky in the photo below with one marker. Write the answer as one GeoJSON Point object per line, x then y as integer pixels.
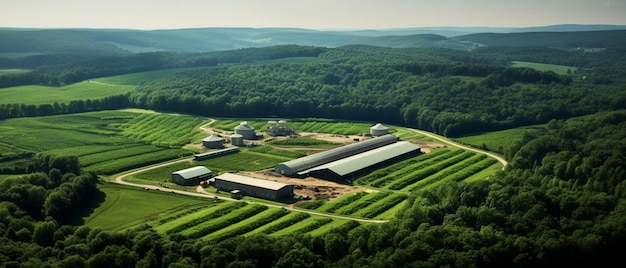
{"type": "Point", "coordinates": [312, 14]}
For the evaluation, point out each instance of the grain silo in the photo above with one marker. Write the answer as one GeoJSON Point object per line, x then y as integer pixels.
{"type": "Point", "coordinates": [245, 130]}
{"type": "Point", "coordinates": [379, 130]}
{"type": "Point", "coordinates": [212, 142]}
{"type": "Point", "coordinates": [236, 139]}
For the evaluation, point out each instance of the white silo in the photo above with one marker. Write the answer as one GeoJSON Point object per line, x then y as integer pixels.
{"type": "Point", "coordinates": [212, 142]}
{"type": "Point", "coordinates": [245, 130]}
{"type": "Point", "coordinates": [236, 139]}
{"type": "Point", "coordinates": [379, 130]}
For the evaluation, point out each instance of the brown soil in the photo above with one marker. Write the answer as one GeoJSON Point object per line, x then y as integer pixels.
{"type": "Point", "coordinates": [309, 186]}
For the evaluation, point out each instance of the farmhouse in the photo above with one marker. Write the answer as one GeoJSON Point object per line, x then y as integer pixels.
{"type": "Point", "coordinates": [347, 169]}
{"type": "Point", "coordinates": [295, 167]}
{"type": "Point", "coordinates": [191, 176]}
{"type": "Point", "coordinates": [255, 187]}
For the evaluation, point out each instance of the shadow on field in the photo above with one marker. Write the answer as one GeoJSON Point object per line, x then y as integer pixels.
{"type": "Point", "coordinates": [95, 201]}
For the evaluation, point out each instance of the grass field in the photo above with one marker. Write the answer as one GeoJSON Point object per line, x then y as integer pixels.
{"type": "Point", "coordinates": [559, 69]}
{"type": "Point", "coordinates": [13, 71]}
{"type": "Point", "coordinates": [138, 78]}
{"type": "Point", "coordinates": [497, 141]}
{"type": "Point", "coordinates": [48, 95]}
{"type": "Point", "coordinates": [125, 207]}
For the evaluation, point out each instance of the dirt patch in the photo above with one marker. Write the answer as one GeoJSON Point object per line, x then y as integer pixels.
{"type": "Point", "coordinates": [309, 186]}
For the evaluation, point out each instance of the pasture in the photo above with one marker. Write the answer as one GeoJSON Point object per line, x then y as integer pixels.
{"type": "Point", "coordinates": [558, 69]}
{"type": "Point", "coordinates": [85, 90]}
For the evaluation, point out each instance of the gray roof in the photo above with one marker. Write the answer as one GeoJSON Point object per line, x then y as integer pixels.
{"type": "Point", "coordinates": [244, 126]}
{"type": "Point", "coordinates": [193, 172]}
{"type": "Point", "coordinates": [360, 161]}
{"type": "Point", "coordinates": [294, 166]}
{"type": "Point", "coordinates": [247, 180]}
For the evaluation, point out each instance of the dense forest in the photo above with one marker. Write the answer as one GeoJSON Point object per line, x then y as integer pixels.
{"type": "Point", "coordinates": [560, 202]}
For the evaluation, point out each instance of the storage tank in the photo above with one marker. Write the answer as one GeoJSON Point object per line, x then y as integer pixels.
{"type": "Point", "coordinates": [379, 130]}
{"type": "Point", "coordinates": [245, 130]}
{"type": "Point", "coordinates": [212, 142]}
{"type": "Point", "coordinates": [236, 139]}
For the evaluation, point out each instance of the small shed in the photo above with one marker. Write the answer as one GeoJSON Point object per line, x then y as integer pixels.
{"type": "Point", "coordinates": [191, 176]}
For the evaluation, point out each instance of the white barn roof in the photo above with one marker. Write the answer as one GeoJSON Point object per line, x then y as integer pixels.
{"type": "Point", "coordinates": [192, 172]}
{"type": "Point", "coordinates": [242, 179]}
{"type": "Point", "coordinates": [363, 160]}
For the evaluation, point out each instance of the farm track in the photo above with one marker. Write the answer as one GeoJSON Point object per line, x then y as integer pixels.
{"type": "Point", "coordinates": [200, 192]}
{"type": "Point", "coordinates": [500, 159]}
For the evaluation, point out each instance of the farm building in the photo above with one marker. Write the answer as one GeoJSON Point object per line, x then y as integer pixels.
{"type": "Point", "coordinates": [191, 176]}
{"type": "Point", "coordinates": [246, 131]}
{"type": "Point", "coordinates": [255, 187]}
{"type": "Point", "coordinates": [296, 166]}
{"type": "Point", "coordinates": [212, 142]}
{"type": "Point", "coordinates": [236, 139]}
{"type": "Point", "coordinates": [347, 169]}
{"type": "Point", "coordinates": [379, 130]}
{"type": "Point", "coordinates": [279, 128]}
{"type": "Point", "coordinates": [216, 153]}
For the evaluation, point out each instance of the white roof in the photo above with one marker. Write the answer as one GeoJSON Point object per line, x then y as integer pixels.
{"type": "Point", "coordinates": [244, 126]}
{"type": "Point", "coordinates": [212, 138]}
{"type": "Point", "coordinates": [356, 162]}
{"type": "Point", "coordinates": [192, 172]}
{"type": "Point", "coordinates": [379, 126]}
{"type": "Point", "coordinates": [247, 180]}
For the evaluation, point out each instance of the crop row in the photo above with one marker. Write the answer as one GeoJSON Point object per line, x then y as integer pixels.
{"type": "Point", "coordinates": [362, 203]}
{"type": "Point", "coordinates": [384, 173]}
{"type": "Point", "coordinates": [379, 207]}
{"type": "Point", "coordinates": [304, 226]}
{"type": "Point", "coordinates": [459, 167]}
{"type": "Point", "coordinates": [119, 152]}
{"type": "Point", "coordinates": [192, 219]}
{"type": "Point", "coordinates": [248, 224]}
{"type": "Point", "coordinates": [207, 227]}
{"type": "Point", "coordinates": [282, 223]}
{"type": "Point", "coordinates": [166, 130]}
{"type": "Point", "coordinates": [428, 171]}
{"type": "Point", "coordinates": [135, 161]}
{"type": "Point", "coordinates": [345, 200]}
{"type": "Point", "coordinates": [478, 165]}
{"type": "Point", "coordinates": [406, 171]}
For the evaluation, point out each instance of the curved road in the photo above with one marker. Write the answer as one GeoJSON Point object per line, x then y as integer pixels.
{"type": "Point", "coordinates": [200, 192]}
{"type": "Point", "coordinates": [500, 159]}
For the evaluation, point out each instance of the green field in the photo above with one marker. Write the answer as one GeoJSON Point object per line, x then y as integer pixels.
{"type": "Point", "coordinates": [497, 141]}
{"type": "Point", "coordinates": [559, 69]}
{"type": "Point", "coordinates": [104, 141]}
{"type": "Point", "coordinates": [13, 71]}
{"type": "Point", "coordinates": [138, 78]}
{"type": "Point", "coordinates": [126, 207]}
{"type": "Point", "coordinates": [48, 95]}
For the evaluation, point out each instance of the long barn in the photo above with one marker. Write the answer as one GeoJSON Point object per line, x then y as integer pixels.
{"type": "Point", "coordinates": [255, 187]}
{"type": "Point", "coordinates": [347, 169]}
{"type": "Point", "coordinates": [294, 167]}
